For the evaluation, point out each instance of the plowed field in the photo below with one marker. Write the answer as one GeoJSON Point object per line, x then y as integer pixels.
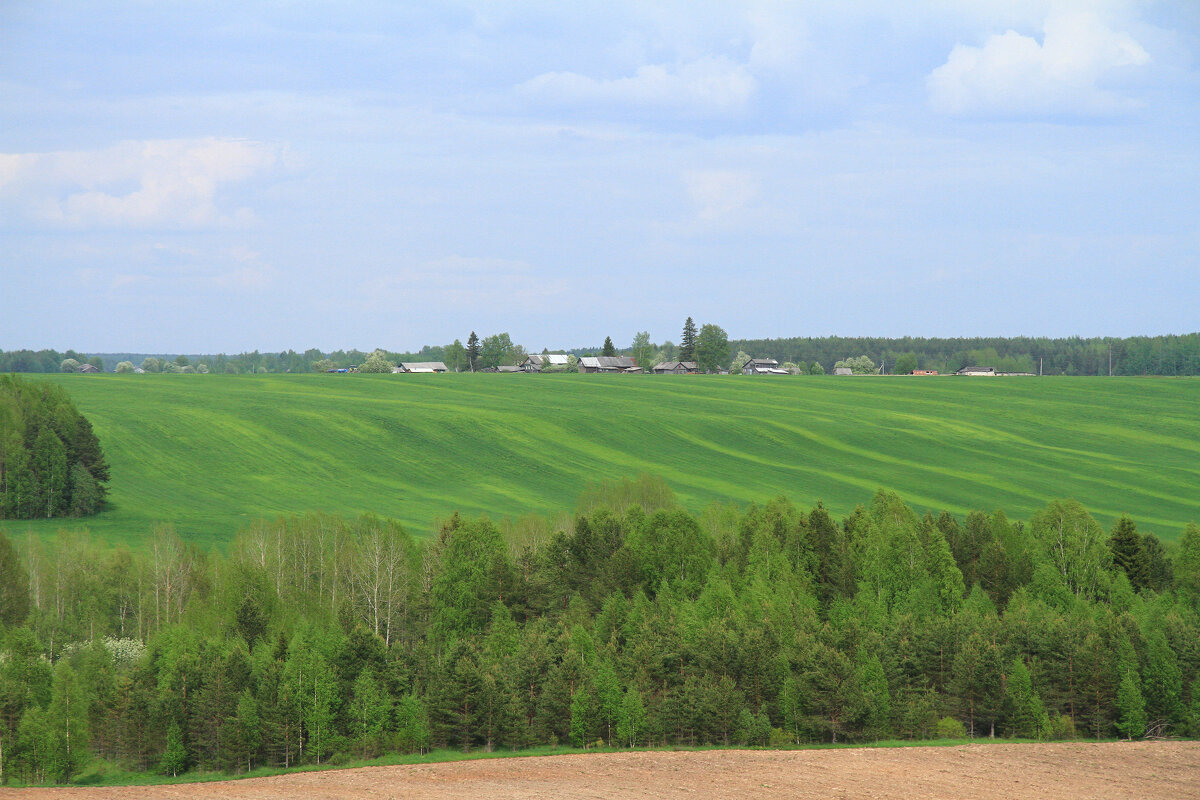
{"type": "Point", "coordinates": [1127, 770]}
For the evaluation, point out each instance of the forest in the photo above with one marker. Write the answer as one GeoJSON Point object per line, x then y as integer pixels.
{"type": "Point", "coordinates": [632, 622]}
{"type": "Point", "coordinates": [51, 464]}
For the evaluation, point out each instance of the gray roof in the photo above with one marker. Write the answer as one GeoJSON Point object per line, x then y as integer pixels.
{"type": "Point", "coordinates": [762, 362]}
{"type": "Point", "coordinates": [670, 366]}
{"type": "Point", "coordinates": [421, 366]}
{"type": "Point", "coordinates": [608, 362]}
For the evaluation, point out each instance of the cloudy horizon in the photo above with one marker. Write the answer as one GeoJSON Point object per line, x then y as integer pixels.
{"type": "Point", "coordinates": [229, 177]}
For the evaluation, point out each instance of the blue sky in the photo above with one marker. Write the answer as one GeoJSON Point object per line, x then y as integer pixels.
{"type": "Point", "coordinates": [206, 176]}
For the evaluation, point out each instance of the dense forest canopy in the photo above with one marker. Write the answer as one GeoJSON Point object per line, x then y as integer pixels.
{"type": "Point", "coordinates": [316, 639]}
{"type": "Point", "coordinates": [51, 464]}
{"type": "Point", "coordinates": [1136, 355]}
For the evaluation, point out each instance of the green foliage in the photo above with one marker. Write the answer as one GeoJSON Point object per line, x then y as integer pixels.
{"type": "Point", "coordinates": [174, 757]}
{"type": "Point", "coordinates": [712, 348]}
{"type": "Point", "coordinates": [318, 640]}
{"type": "Point", "coordinates": [949, 727]}
{"type": "Point", "coordinates": [905, 364]}
{"type": "Point", "coordinates": [377, 362]}
{"type": "Point", "coordinates": [14, 585]}
{"type": "Point", "coordinates": [1131, 707]}
{"type": "Point", "coordinates": [50, 460]}
{"type": "Point", "coordinates": [609, 349]}
{"type": "Point", "coordinates": [859, 365]}
{"type": "Point", "coordinates": [1026, 712]}
{"type": "Point", "coordinates": [687, 341]}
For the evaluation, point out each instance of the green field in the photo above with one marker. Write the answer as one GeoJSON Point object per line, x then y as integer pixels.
{"type": "Point", "coordinates": [211, 453]}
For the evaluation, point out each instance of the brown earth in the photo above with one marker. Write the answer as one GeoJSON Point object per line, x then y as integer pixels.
{"type": "Point", "coordinates": [1083, 771]}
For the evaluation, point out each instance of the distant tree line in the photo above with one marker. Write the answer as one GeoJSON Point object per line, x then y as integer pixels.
{"type": "Point", "coordinates": [319, 639]}
{"type": "Point", "coordinates": [51, 464]}
{"type": "Point", "coordinates": [1136, 355]}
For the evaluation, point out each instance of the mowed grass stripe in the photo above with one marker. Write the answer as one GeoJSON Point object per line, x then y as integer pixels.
{"type": "Point", "coordinates": [211, 453]}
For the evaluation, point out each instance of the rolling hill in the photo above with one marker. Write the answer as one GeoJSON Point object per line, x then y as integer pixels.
{"type": "Point", "coordinates": [211, 453]}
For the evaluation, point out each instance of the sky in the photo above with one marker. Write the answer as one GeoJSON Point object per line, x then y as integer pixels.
{"type": "Point", "coordinates": [228, 176]}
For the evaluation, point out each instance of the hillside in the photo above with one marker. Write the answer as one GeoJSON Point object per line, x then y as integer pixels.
{"type": "Point", "coordinates": [211, 453]}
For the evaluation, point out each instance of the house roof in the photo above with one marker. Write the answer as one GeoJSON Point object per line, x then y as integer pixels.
{"type": "Point", "coordinates": [670, 366]}
{"type": "Point", "coordinates": [423, 366]}
{"type": "Point", "coordinates": [842, 371]}
{"type": "Point", "coordinates": [762, 362]}
{"type": "Point", "coordinates": [553, 359]}
{"type": "Point", "coordinates": [608, 362]}
{"type": "Point", "coordinates": [976, 369]}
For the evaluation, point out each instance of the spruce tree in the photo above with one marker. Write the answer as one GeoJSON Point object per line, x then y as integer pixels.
{"type": "Point", "coordinates": [473, 350]}
{"type": "Point", "coordinates": [609, 348]}
{"type": "Point", "coordinates": [1127, 552]}
{"type": "Point", "coordinates": [687, 345]}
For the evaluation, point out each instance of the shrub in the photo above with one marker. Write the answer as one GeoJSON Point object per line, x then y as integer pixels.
{"type": "Point", "coordinates": [950, 728]}
{"type": "Point", "coordinates": [1062, 726]}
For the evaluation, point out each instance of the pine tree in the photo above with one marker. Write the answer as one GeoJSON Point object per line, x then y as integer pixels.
{"type": "Point", "coordinates": [473, 350]}
{"type": "Point", "coordinates": [687, 345]}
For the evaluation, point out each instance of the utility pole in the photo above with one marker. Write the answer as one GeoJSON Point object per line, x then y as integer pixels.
{"type": "Point", "coordinates": [1039, 366]}
{"type": "Point", "coordinates": [1110, 359]}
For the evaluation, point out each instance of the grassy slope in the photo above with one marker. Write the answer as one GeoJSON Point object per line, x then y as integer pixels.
{"type": "Point", "coordinates": [211, 453]}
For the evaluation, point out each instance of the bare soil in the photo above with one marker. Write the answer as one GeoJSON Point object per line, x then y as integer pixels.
{"type": "Point", "coordinates": [1078, 771]}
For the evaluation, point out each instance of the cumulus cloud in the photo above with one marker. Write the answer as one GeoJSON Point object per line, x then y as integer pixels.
{"type": "Point", "coordinates": [1014, 74]}
{"type": "Point", "coordinates": [157, 183]}
{"type": "Point", "coordinates": [710, 85]}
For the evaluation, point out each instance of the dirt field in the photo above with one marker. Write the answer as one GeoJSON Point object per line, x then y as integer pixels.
{"type": "Point", "coordinates": [1078, 771]}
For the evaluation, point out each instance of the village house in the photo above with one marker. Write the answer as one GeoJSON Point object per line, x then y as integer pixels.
{"type": "Point", "coordinates": [842, 371]}
{"type": "Point", "coordinates": [980, 371]}
{"type": "Point", "coordinates": [608, 364]}
{"type": "Point", "coordinates": [676, 368]}
{"type": "Point", "coordinates": [763, 366]}
{"type": "Point", "coordinates": [537, 363]}
{"type": "Point", "coordinates": [924, 372]}
{"type": "Point", "coordinates": [421, 366]}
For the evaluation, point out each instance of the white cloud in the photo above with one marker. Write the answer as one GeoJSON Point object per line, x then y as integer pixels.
{"type": "Point", "coordinates": [156, 183]}
{"type": "Point", "coordinates": [1014, 74]}
{"type": "Point", "coordinates": [719, 193]}
{"type": "Point", "coordinates": [709, 85]}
